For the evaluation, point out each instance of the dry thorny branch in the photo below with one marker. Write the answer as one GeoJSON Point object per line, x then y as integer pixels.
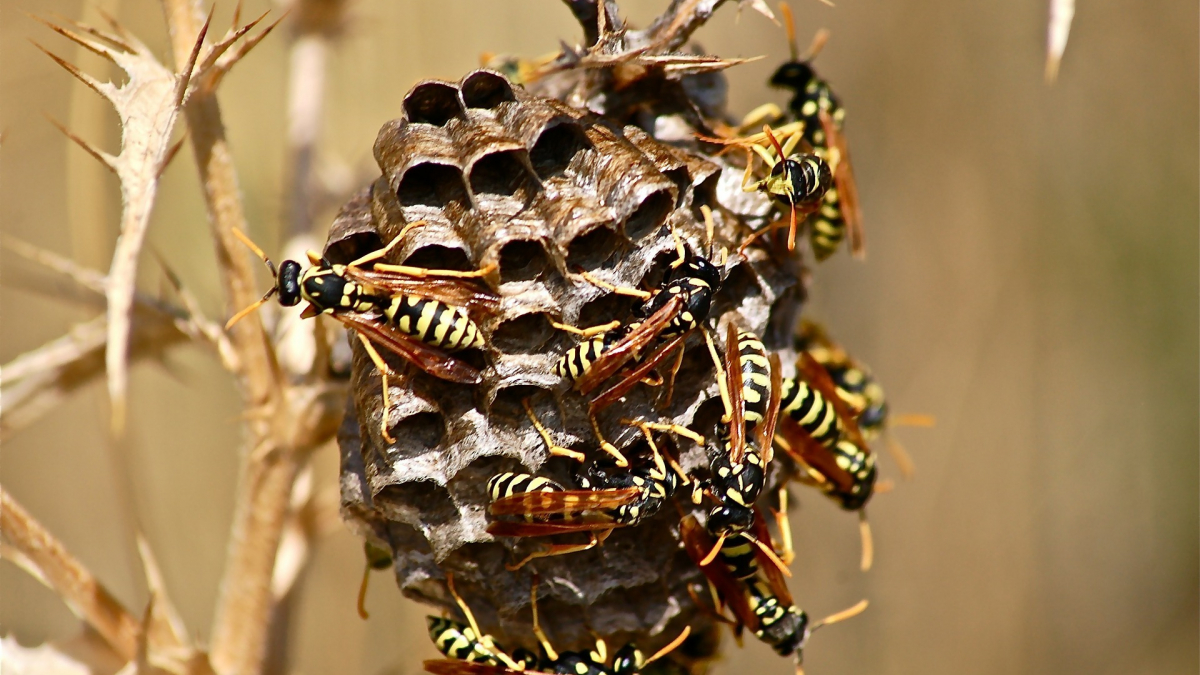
{"type": "Point", "coordinates": [288, 415]}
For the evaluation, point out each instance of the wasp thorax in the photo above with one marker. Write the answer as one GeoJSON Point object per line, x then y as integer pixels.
{"type": "Point", "coordinates": [326, 289]}
{"type": "Point", "coordinates": [288, 283]}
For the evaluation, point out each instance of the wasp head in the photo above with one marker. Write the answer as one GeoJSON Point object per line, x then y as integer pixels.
{"type": "Point", "coordinates": [628, 660]}
{"type": "Point", "coordinates": [288, 283]}
{"type": "Point", "coordinates": [793, 74]}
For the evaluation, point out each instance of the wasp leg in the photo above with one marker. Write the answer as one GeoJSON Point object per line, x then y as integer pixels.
{"type": "Point", "coordinates": [379, 253]}
{"type": "Point", "coordinates": [537, 627]}
{"type": "Point", "coordinates": [587, 332]}
{"type": "Point", "coordinates": [555, 449]}
{"type": "Point", "coordinates": [555, 549]}
{"type": "Point", "coordinates": [788, 554]}
{"type": "Point", "coordinates": [670, 391]}
{"type": "Point", "coordinates": [767, 112]}
{"type": "Point", "coordinates": [362, 592]}
{"type": "Point", "coordinates": [605, 445]}
{"type": "Point", "coordinates": [383, 368]}
{"type": "Point", "coordinates": [722, 385]}
{"type": "Point", "coordinates": [619, 290]}
{"type": "Point", "coordinates": [422, 272]}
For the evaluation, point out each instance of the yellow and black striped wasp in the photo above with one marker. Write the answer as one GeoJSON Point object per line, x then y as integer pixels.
{"type": "Point", "coordinates": [815, 105]}
{"type": "Point", "coordinates": [472, 652]}
{"type": "Point", "coordinates": [607, 500]}
{"type": "Point", "coordinates": [755, 591]}
{"type": "Point", "coordinates": [417, 313]}
{"type": "Point", "coordinates": [857, 386]}
{"type": "Point", "coordinates": [819, 433]}
{"type": "Point", "coordinates": [670, 313]}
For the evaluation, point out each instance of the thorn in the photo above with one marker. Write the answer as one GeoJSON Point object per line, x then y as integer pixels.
{"type": "Point", "coordinates": [237, 14]}
{"type": "Point", "coordinates": [117, 27]}
{"type": "Point", "coordinates": [96, 33]}
{"type": "Point", "coordinates": [70, 68]}
{"type": "Point", "coordinates": [71, 35]}
{"type": "Point", "coordinates": [104, 158]}
{"type": "Point", "coordinates": [184, 77]}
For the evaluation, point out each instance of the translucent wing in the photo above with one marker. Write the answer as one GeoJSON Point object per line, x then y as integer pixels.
{"type": "Point", "coordinates": [629, 346]}
{"type": "Point", "coordinates": [429, 359]}
{"type": "Point", "coordinates": [566, 501]}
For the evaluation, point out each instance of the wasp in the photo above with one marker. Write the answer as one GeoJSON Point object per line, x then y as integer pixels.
{"type": "Point", "coordinates": [737, 466]}
{"type": "Point", "coordinates": [815, 105]}
{"type": "Point", "coordinates": [857, 386]}
{"type": "Point", "coordinates": [420, 314]}
{"type": "Point", "coordinates": [607, 500]}
{"type": "Point", "coordinates": [473, 653]}
{"type": "Point", "coordinates": [680, 304]}
{"type": "Point", "coordinates": [755, 592]}
{"type": "Point", "coordinates": [839, 462]}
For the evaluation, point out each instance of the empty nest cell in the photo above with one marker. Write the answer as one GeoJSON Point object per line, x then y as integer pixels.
{"type": "Point", "coordinates": [431, 184]}
{"type": "Point", "coordinates": [592, 249]}
{"type": "Point", "coordinates": [555, 147]}
{"type": "Point", "coordinates": [526, 334]}
{"type": "Point", "coordinates": [485, 89]}
{"type": "Point", "coordinates": [433, 103]}
{"type": "Point", "coordinates": [522, 260]}
{"type": "Point", "coordinates": [501, 173]}
{"type": "Point", "coordinates": [649, 215]}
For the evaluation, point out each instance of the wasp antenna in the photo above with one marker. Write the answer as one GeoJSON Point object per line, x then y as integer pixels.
{"type": "Point", "coordinates": [242, 314]}
{"type": "Point", "coordinates": [712, 555]}
{"type": "Point", "coordinates": [254, 248]}
{"type": "Point", "coordinates": [868, 542]}
{"type": "Point", "coordinates": [771, 555]}
{"type": "Point", "coordinates": [818, 43]}
{"type": "Point", "coordinates": [774, 142]}
{"type": "Point", "coordinates": [672, 645]}
{"type": "Point", "coordinates": [789, 24]}
{"type": "Point", "coordinates": [710, 228]}
{"type": "Point", "coordinates": [848, 613]}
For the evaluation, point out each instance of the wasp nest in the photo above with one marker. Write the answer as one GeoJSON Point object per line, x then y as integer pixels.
{"type": "Point", "coordinates": [542, 191]}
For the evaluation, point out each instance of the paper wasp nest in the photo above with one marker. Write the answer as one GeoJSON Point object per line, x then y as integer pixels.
{"type": "Point", "coordinates": [542, 190]}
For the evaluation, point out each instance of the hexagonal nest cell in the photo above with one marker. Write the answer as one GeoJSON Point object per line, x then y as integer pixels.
{"type": "Point", "coordinates": [542, 191]}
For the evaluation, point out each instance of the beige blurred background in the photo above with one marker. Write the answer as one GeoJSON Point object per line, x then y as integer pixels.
{"type": "Point", "coordinates": [1031, 281]}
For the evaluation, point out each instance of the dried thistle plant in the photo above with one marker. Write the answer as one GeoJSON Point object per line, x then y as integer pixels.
{"type": "Point", "coordinates": [482, 177]}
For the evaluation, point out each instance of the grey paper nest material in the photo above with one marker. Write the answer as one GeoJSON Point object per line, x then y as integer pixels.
{"type": "Point", "coordinates": [543, 190]}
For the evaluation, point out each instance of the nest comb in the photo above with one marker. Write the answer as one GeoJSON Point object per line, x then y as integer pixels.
{"type": "Point", "coordinates": [542, 190]}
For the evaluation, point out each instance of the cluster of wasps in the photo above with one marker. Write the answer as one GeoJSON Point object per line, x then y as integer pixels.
{"type": "Point", "coordinates": [822, 418]}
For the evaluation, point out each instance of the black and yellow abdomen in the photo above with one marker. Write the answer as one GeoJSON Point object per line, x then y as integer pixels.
{"type": "Point", "coordinates": [576, 362]}
{"type": "Point", "coordinates": [434, 323]}
{"type": "Point", "coordinates": [808, 408]}
{"type": "Point", "coordinates": [458, 641]}
{"type": "Point", "coordinates": [756, 377]}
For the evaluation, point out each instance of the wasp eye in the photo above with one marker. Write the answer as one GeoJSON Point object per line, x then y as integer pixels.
{"type": "Point", "coordinates": [288, 283]}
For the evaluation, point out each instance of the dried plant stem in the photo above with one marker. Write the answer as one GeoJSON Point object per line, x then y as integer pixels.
{"type": "Point", "coordinates": [59, 570]}
{"type": "Point", "coordinates": [241, 621]}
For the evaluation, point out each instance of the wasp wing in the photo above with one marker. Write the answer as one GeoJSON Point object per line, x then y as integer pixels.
{"type": "Point", "coordinates": [629, 346]}
{"type": "Point", "coordinates": [594, 523]}
{"type": "Point", "coordinates": [476, 299]}
{"type": "Point", "coordinates": [769, 567]}
{"type": "Point", "coordinates": [766, 430]}
{"type": "Point", "coordinates": [565, 501]}
{"type": "Point", "coordinates": [737, 400]}
{"type": "Point", "coordinates": [456, 667]}
{"type": "Point", "coordinates": [818, 378]}
{"type": "Point", "coordinates": [429, 359]}
{"type": "Point", "coordinates": [847, 187]}
{"type": "Point", "coordinates": [698, 544]}
{"type": "Point", "coordinates": [635, 375]}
